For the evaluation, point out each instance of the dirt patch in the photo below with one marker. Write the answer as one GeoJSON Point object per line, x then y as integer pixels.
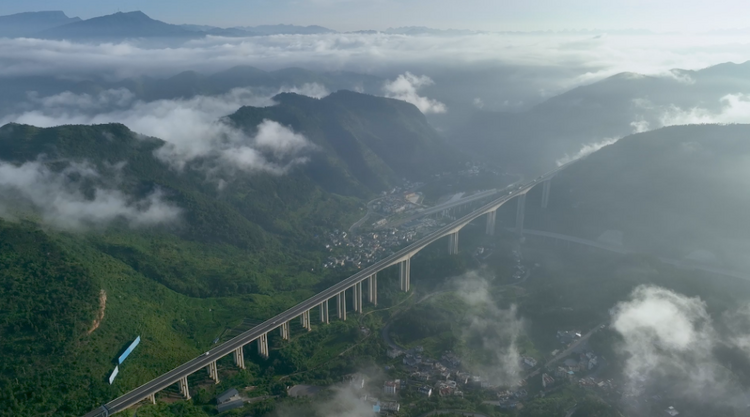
{"type": "Point", "coordinates": [100, 315]}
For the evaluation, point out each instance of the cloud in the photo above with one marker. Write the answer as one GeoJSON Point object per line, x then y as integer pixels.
{"type": "Point", "coordinates": [585, 150]}
{"type": "Point", "coordinates": [734, 108]}
{"type": "Point", "coordinates": [69, 200]}
{"type": "Point", "coordinates": [497, 329]}
{"type": "Point", "coordinates": [738, 323]}
{"type": "Point", "coordinates": [406, 86]}
{"type": "Point", "coordinates": [313, 90]}
{"type": "Point", "coordinates": [669, 341]}
{"type": "Point", "coordinates": [365, 52]}
{"type": "Point", "coordinates": [345, 402]}
{"type": "Point", "coordinates": [192, 127]}
{"type": "Point", "coordinates": [498, 66]}
{"type": "Point", "coordinates": [280, 141]}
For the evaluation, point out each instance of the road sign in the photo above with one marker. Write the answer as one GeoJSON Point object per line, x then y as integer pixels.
{"type": "Point", "coordinates": [129, 349]}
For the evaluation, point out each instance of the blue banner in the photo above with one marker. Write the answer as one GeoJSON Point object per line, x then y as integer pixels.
{"type": "Point", "coordinates": [129, 349]}
{"type": "Point", "coordinates": [114, 374]}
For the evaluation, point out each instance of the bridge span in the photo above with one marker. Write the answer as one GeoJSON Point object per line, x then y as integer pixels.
{"type": "Point", "coordinates": [320, 301]}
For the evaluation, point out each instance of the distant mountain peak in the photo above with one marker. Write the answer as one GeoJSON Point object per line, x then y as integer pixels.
{"type": "Point", "coordinates": [45, 13]}
{"type": "Point", "coordinates": [120, 25]}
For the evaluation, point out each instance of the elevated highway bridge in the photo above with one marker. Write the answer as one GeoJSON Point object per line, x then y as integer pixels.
{"type": "Point", "coordinates": [320, 301]}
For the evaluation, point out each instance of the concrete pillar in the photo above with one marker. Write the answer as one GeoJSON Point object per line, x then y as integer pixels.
{"type": "Point", "coordinates": [355, 299]}
{"type": "Point", "coordinates": [184, 389]}
{"type": "Point", "coordinates": [213, 372]}
{"type": "Point", "coordinates": [263, 345]}
{"type": "Point", "coordinates": [284, 330]}
{"type": "Point", "coordinates": [520, 213]}
{"type": "Point", "coordinates": [453, 243]}
{"type": "Point", "coordinates": [490, 229]}
{"type": "Point", "coordinates": [305, 320]}
{"type": "Point", "coordinates": [546, 186]}
{"type": "Point", "coordinates": [372, 290]}
{"type": "Point", "coordinates": [405, 267]}
{"type": "Point", "coordinates": [324, 312]}
{"type": "Point", "coordinates": [358, 290]}
{"type": "Point", "coordinates": [341, 305]}
{"type": "Point", "coordinates": [152, 398]}
{"type": "Point", "coordinates": [239, 357]}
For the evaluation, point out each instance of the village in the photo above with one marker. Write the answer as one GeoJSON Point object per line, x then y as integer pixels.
{"type": "Point", "coordinates": [421, 376]}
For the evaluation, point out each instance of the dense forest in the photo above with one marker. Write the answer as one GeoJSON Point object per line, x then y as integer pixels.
{"type": "Point", "coordinates": [241, 249]}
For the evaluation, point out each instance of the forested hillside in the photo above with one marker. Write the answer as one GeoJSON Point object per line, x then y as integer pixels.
{"type": "Point", "coordinates": [363, 139]}
{"type": "Point", "coordinates": [676, 191]}
{"type": "Point", "coordinates": [103, 239]}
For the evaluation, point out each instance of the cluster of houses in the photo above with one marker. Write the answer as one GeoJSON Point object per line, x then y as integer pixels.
{"type": "Point", "coordinates": [528, 361]}
{"type": "Point", "coordinates": [397, 202]}
{"type": "Point", "coordinates": [364, 249]}
{"type": "Point", "coordinates": [442, 377]}
{"type": "Point", "coordinates": [509, 399]}
{"type": "Point", "coordinates": [567, 337]}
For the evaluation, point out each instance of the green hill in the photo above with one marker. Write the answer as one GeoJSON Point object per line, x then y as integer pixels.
{"type": "Point", "coordinates": [674, 191]}
{"type": "Point", "coordinates": [242, 251]}
{"type": "Point", "coordinates": [532, 141]}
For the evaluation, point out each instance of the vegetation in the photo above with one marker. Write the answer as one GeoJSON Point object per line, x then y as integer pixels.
{"type": "Point", "coordinates": [672, 191]}
{"type": "Point", "coordinates": [240, 253]}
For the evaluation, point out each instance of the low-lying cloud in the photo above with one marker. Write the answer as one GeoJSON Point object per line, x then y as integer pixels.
{"type": "Point", "coordinates": [192, 127]}
{"type": "Point", "coordinates": [345, 402]}
{"type": "Point", "coordinates": [285, 145]}
{"type": "Point", "coordinates": [406, 87]}
{"type": "Point", "coordinates": [669, 341]}
{"type": "Point", "coordinates": [68, 200]}
{"type": "Point", "coordinates": [543, 62]}
{"type": "Point", "coordinates": [497, 329]}
{"type": "Point", "coordinates": [585, 150]}
{"type": "Point", "coordinates": [733, 108]}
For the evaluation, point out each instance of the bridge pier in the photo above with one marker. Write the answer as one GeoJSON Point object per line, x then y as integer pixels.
{"type": "Point", "coordinates": [405, 267]}
{"type": "Point", "coordinates": [355, 299]}
{"type": "Point", "coordinates": [184, 389]}
{"type": "Point", "coordinates": [284, 330]}
{"type": "Point", "coordinates": [263, 345]}
{"type": "Point", "coordinates": [358, 290]}
{"type": "Point", "coordinates": [453, 243]}
{"type": "Point", "coordinates": [305, 320]}
{"type": "Point", "coordinates": [341, 305]}
{"type": "Point", "coordinates": [546, 186]}
{"type": "Point", "coordinates": [239, 357]}
{"type": "Point", "coordinates": [520, 213]}
{"type": "Point", "coordinates": [324, 312]}
{"type": "Point", "coordinates": [490, 229]}
{"type": "Point", "coordinates": [372, 292]}
{"type": "Point", "coordinates": [213, 372]}
{"type": "Point", "coordinates": [152, 398]}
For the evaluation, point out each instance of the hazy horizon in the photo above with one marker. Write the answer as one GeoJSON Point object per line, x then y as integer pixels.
{"type": "Point", "coordinates": [482, 15]}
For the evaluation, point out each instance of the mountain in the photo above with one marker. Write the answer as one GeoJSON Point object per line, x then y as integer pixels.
{"type": "Point", "coordinates": [241, 249]}
{"type": "Point", "coordinates": [28, 23]}
{"type": "Point", "coordinates": [365, 140]}
{"type": "Point", "coordinates": [531, 141]}
{"type": "Point", "coordinates": [118, 26]}
{"type": "Point", "coordinates": [676, 191]}
{"type": "Point", "coordinates": [286, 30]}
{"type": "Point", "coordinates": [217, 31]}
{"type": "Point", "coordinates": [187, 84]}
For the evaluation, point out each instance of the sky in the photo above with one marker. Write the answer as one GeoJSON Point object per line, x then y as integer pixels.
{"type": "Point", "coordinates": [494, 15]}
